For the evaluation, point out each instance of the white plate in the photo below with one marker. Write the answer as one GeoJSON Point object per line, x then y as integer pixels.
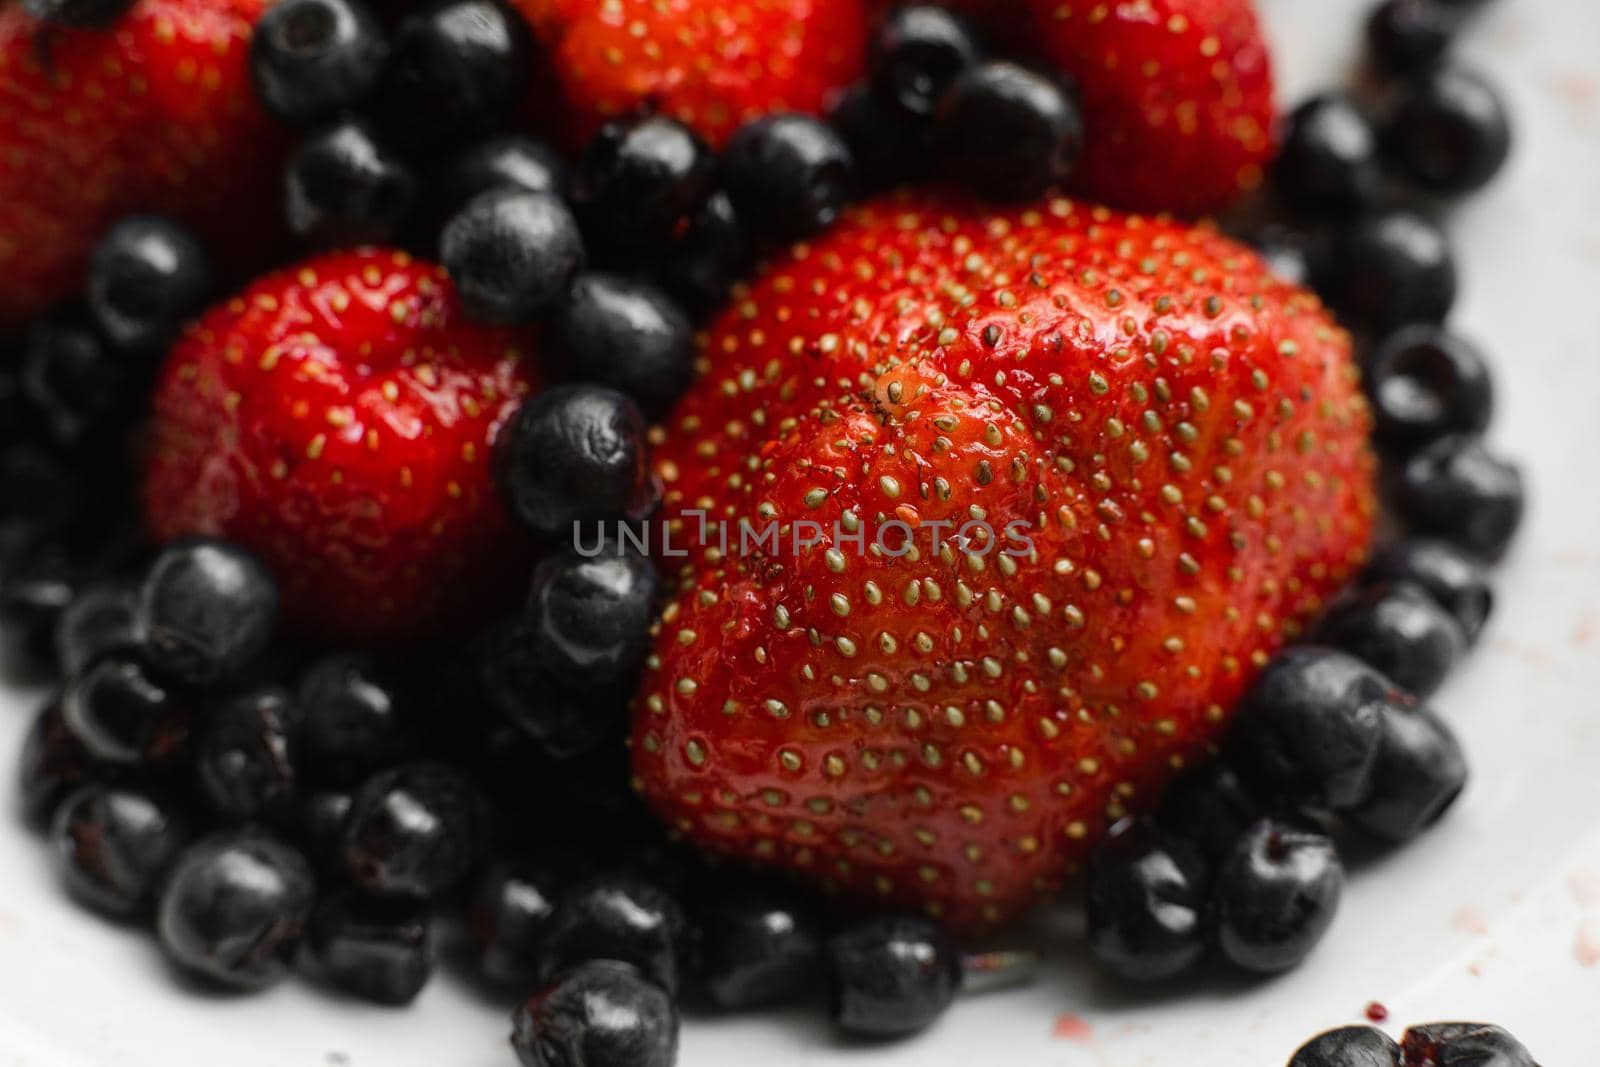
{"type": "Point", "coordinates": [1495, 915]}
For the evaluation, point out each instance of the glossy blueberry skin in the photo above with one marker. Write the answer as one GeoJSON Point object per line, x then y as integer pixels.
{"type": "Point", "coordinates": [378, 950]}
{"type": "Point", "coordinates": [639, 183]}
{"type": "Point", "coordinates": [1426, 383]}
{"type": "Point", "coordinates": [1208, 807]}
{"type": "Point", "coordinates": [619, 917]}
{"type": "Point", "coordinates": [512, 254]}
{"type": "Point", "coordinates": [888, 145]}
{"type": "Point", "coordinates": [1307, 732]}
{"type": "Point", "coordinates": [246, 755]}
{"type": "Point", "coordinates": [52, 764]}
{"type": "Point", "coordinates": [590, 617]}
{"type": "Point", "coordinates": [354, 718]}
{"type": "Point", "coordinates": [760, 946]}
{"type": "Point", "coordinates": [563, 721]}
{"type": "Point", "coordinates": [1464, 1045]}
{"type": "Point", "coordinates": [1398, 630]}
{"type": "Point", "coordinates": [601, 1013]}
{"type": "Point", "coordinates": [124, 712]}
{"type": "Point", "coordinates": [77, 13]}
{"type": "Point", "coordinates": [235, 908]}
{"type": "Point", "coordinates": [413, 832]}
{"type": "Point", "coordinates": [207, 610]}
{"type": "Point", "coordinates": [1420, 772]}
{"type": "Point", "coordinates": [629, 335]}
{"type": "Point", "coordinates": [1409, 36]}
{"type": "Point", "coordinates": [100, 619]}
{"type": "Point", "coordinates": [312, 59]}
{"type": "Point", "coordinates": [1328, 165]}
{"type": "Point", "coordinates": [1146, 894]}
{"type": "Point", "coordinates": [918, 53]}
{"type": "Point", "coordinates": [1008, 133]}
{"type": "Point", "coordinates": [892, 976]}
{"type": "Point", "coordinates": [113, 845]}
{"type": "Point", "coordinates": [510, 912]}
{"type": "Point", "coordinates": [147, 277]}
{"type": "Point", "coordinates": [1449, 133]}
{"type": "Point", "coordinates": [1389, 271]}
{"type": "Point", "coordinates": [509, 161]}
{"type": "Point", "coordinates": [1275, 896]}
{"type": "Point", "coordinates": [1457, 490]}
{"type": "Point", "coordinates": [71, 378]}
{"type": "Point", "coordinates": [1349, 1046]}
{"type": "Point", "coordinates": [708, 259]}
{"type": "Point", "coordinates": [344, 186]}
{"type": "Point", "coordinates": [1456, 580]}
{"type": "Point", "coordinates": [789, 176]}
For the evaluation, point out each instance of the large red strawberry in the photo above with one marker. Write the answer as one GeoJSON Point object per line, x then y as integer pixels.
{"type": "Point", "coordinates": [338, 418]}
{"type": "Point", "coordinates": [713, 64]}
{"type": "Point", "coordinates": [155, 113]}
{"type": "Point", "coordinates": [1176, 438]}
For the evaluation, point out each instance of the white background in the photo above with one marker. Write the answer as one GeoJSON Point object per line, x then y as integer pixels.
{"type": "Point", "coordinates": [1492, 915]}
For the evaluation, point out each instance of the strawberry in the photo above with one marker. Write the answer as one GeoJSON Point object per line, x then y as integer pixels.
{"type": "Point", "coordinates": [712, 65]}
{"type": "Point", "coordinates": [154, 114]}
{"type": "Point", "coordinates": [1169, 446]}
{"type": "Point", "coordinates": [338, 418]}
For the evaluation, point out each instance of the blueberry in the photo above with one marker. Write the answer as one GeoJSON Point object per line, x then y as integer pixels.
{"type": "Point", "coordinates": [34, 592]}
{"type": "Point", "coordinates": [379, 950]}
{"type": "Point", "coordinates": [343, 186]}
{"type": "Point", "coordinates": [70, 377]}
{"type": "Point", "coordinates": [1464, 1045]}
{"type": "Point", "coordinates": [1457, 490]}
{"type": "Point", "coordinates": [1287, 254]}
{"type": "Point", "coordinates": [1390, 271]}
{"type": "Point", "coordinates": [147, 277]}
{"type": "Point", "coordinates": [1007, 132]}
{"type": "Point", "coordinates": [888, 145]}
{"type": "Point", "coordinates": [1426, 383]}
{"type": "Point", "coordinates": [590, 617]}
{"type": "Point", "coordinates": [208, 609]}
{"type": "Point", "coordinates": [602, 1013]}
{"type": "Point", "coordinates": [513, 255]}
{"type": "Point", "coordinates": [1307, 732]}
{"type": "Point", "coordinates": [102, 618]}
{"type": "Point", "coordinates": [891, 976]}
{"type": "Point", "coordinates": [125, 713]}
{"type": "Point", "coordinates": [1409, 36]}
{"type": "Point", "coordinates": [760, 946]}
{"type": "Point", "coordinates": [52, 764]}
{"type": "Point", "coordinates": [317, 826]}
{"type": "Point", "coordinates": [245, 755]}
{"type": "Point", "coordinates": [45, 499]}
{"type": "Point", "coordinates": [709, 258]}
{"type": "Point", "coordinates": [1398, 630]}
{"type": "Point", "coordinates": [1275, 896]}
{"type": "Point", "coordinates": [1328, 165]}
{"type": "Point", "coordinates": [455, 73]}
{"type": "Point", "coordinates": [639, 183]}
{"type": "Point", "coordinates": [354, 718]}
{"type": "Point", "coordinates": [1420, 772]}
{"type": "Point", "coordinates": [1349, 1046]}
{"type": "Point", "coordinates": [618, 917]}
{"type": "Point", "coordinates": [313, 59]}
{"type": "Point", "coordinates": [510, 913]}
{"type": "Point", "coordinates": [1208, 807]}
{"type": "Point", "coordinates": [77, 13]}
{"type": "Point", "coordinates": [235, 908]}
{"type": "Point", "coordinates": [509, 161]}
{"type": "Point", "coordinates": [1449, 132]}
{"type": "Point", "coordinates": [629, 335]}
{"type": "Point", "coordinates": [414, 831]}
{"type": "Point", "coordinates": [563, 719]}
{"type": "Point", "coordinates": [1146, 899]}
{"type": "Point", "coordinates": [114, 845]}
{"type": "Point", "coordinates": [789, 176]}
{"type": "Point", "coordinates": [574, 454]}
{"type": "Point", "coordinates": [918, 54]}
{"type": "Point", "coordinates": [1456, 580]}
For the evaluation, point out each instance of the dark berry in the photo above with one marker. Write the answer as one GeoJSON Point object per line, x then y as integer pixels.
{"type": "Point", "coordinates": [564, 720]}
{"type": "Point", "coordinates": [629, 335]}
{"type": "Point", "coordinates": [760, 946]}
{"type": "Point", "coordinates": [789, 176]}
{"type": "Point", "coordinates": [602, 1013]}
{"type": "Point", "coordinates": [1275, 896]}
{"type": "Point", "coordinates": [317, 826]}
{"type": "Point", "coordinates": [414, 831]}
{"type": "Point", "coordinates": [513, 255]}
{"type": "Point", "coordinates": [1456, 489]}
{"type": "Point", "coordinates": [1390, 271]}
{"type": "Point", "coordinates": [1449, 132]}
{"type": "Point", "coordinates": [1456, 580]}
{"type": "Point", "coordinates": [510, 161]}
{"type": "Point", "coordinates": [44, 498]}
{"type": "Point", "coordinates": [590, 616]}
{"type": "Point", "coordinates": [1209, 807]}
{"type": "Point", "coordinates": [114, 845]}
{"type": "Point", "coordinates": [1328, 165]}
{"type": "Point", "coordinates": [235, 908]}
{"type": "Point", "coordinates": [147, 277]}
{"type": "Point", "coordinates": [618, 917]}
{"type": "Point", "coordinates": [574, 454]}
{"type": "Point", "coordinates": [1350, 1046]}
{"type": "Point", "coordinates": [77, 13]}
{"type": "Point", "coordinates": [70, 377]}
{"type": "Point", "coordinates": [245, 755]}
{"type": "Point", "coordinates": [1398, 630]}
{"type": "Point", "coordinates": [888, 145]}
{"type": "Point", "coordinates": [510, 912]}
{"type": "Point", "coordinates": [1426, 383]}
{"type": "Point", "coordinates": [343, 186]}
{"type": "Point", "coordinates": [1307, 732]}
{"type": "Point", "coordinates": [313, 59]}
{"type": "Point", "coordinates": [34, 592]}
{"type": "Point", "coordinates": [891, 976]}
{"type": "Point", "coordinates": [52, 764]}
{"type": "Point", "coordinates": [1409, 36]}
{"type": "Point", "coordinates": [207, 610]}
{"type": "Point", "coordinates": [1287, 254]}
{"type": "Point", "coordinates": [125, 713]}
{"type": "Point", "coordinates": [918, 54]}
{"type": "Point", "coordinates": [1420, 772]}
{"type": "Point", "coordinates": [379, 950]}
{"type": "Point", "coordinates": [1464, 1045]}
{"type": "Point", "coordinates": [1146, 897]}
{"type": "Point", "coordinates": [709, 258]}
{"type": "Point", "coordinates": [101, 619]}
{"type": "Point", "coordinates": [1007, 132]}
{"type": "Point", "coordinates": [639, 184]}
{"type": "Point", "coordinates": [353, 718]}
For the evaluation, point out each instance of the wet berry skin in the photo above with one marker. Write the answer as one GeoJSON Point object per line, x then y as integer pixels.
{"type": "Point", "coordinates": [891, 976]}
{"type": "Point", "coordinates": [1398, 630]}
{"type": "Point", "coordinates": [1146, 903]}
{"type": "Point", "coordinates": [564, 721]}
{"type": "Point", "coordinates": [343, 186]}
{"type": "Point", "coordinates": [512, 254]}
{"type": "Point", "coordinates": [246, 755]}
{"type": "Point", "coordinates": [1409, 36]}
{"type": "Point", "coordinates": [1420, 772]}
{"type": "Point", "coordinates": [760, 946]}
{"type": "Point", "coordinates": [1275, 896]}
{"type": "Point", "coordinates": [1455, 579]}
{"type": "Point", "coordinates": [413, 832]}
{"type": "Point", "coordinates": [124, 712]}
{"type": "Point", "coordinates": [1457, 490]}
{"type": "Point", "coordinates": [1007, 133]}
{"type": "Point", "coordinates": [619, 917]}
{"type": "Point", "coordinates": [629, 335]}
{"type": "Point", "coordinates": [1389, 271]}
{"type": "Point", "coordinates": [53, 763]}
{"type": "Point", "coordinates": [147, 277]}
{"type": "Point", "coordinates": [113, 845]}
{"type": "Point", "coordinates": [353, 718]}
{"type": "Point", "coordinates": [1328, 164]}
{"type": "Point", "coordinates": [601, 1013]}
{"type": "Point", "coordinates": [378, 950]}
{"type": "Point", "coordinates": [510, 911]}
{"type": "Point", "coordinates": [639, 183]}
{"type": "Point", "coordinates": [1350, 1046]}
{"type": "Point", "coordinates": [235, 908]}
{"type": "Point", "coordinates": [789, 176]}
{"type": "Point", "coordinates": [100, 619]}
{"type": "Point", "coordinates": [1449, 133]}
{"type": "Point", "coordinates": [313, 59]}
{"type": "Point", "coordinates": [1208, 807]}
{"type": "Point", "coordinates": [1464, 1045]}
{"type": "Point", "coordinates": [1426, 383]}
{"type": "Point", "coordinates": [207, 609]}
{"type": "Point", "coordinates": [590, 617]}
{"type": "Point", "coordinates": [918, 53]}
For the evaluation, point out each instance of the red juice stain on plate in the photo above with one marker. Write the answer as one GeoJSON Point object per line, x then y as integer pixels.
{"type": "Point", "coordinates": [1376, 1012]}
{"type": "Point", "coordinates": [1069, 1027]}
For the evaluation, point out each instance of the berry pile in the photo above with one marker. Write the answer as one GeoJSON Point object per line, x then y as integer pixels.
{"type": "Point", "coordinates": [373, 589]}
{"type": "Point", "coordinates": [1429, 1045]}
